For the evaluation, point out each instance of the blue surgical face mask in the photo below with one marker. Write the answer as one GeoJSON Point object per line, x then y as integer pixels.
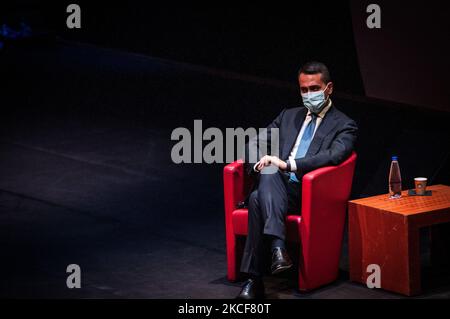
{"type": "Point", "coordinates": [315, 101]}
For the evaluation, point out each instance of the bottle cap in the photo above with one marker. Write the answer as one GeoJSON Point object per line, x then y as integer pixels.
{"type": "Point", "coordinates": [395, 158]}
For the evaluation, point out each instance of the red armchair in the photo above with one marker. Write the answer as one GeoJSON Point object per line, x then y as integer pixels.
{"type": "Point", "coordinates": [317, 232]}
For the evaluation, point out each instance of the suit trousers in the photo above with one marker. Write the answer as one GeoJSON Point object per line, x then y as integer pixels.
{"type": "Point", "coordinates": [274, 197]}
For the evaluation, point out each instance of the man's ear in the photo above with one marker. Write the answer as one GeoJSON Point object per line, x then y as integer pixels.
{"type": "Point", "coordinates": [329, 90]}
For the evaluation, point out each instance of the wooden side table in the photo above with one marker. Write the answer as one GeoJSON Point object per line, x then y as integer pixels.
{"type": "Point", "coordinates": [385, 232]}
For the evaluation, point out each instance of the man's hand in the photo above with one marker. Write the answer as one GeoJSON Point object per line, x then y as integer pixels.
{"type": "Point", "coordinates": [268, 160]}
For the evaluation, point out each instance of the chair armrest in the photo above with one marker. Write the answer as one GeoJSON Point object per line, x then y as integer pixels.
{"type": "Point", "coordinates": [326, 186]}
{"type": "Point", "coordinates": [234, 185]}
{"type": "Point", "coordinates": [325, 193]}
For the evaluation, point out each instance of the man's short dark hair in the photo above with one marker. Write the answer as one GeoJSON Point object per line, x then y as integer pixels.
{"type": "Point", "coordinates": [314, 67]}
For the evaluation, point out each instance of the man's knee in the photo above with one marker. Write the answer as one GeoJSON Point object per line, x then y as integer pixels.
{"type": "Point", "coordinates": [270, 186]}
{"type": "Point", "coordinates": [271, 176]}
{"type": "Point", "coordinates": [268, 181]}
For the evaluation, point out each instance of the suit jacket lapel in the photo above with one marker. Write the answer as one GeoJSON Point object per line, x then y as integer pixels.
{"type": "Point", "coordinates": [328, 123]}
{"type": "Point", "coordinates": [293, 133]}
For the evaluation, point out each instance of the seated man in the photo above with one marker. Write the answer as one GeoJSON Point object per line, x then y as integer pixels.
{"type": "Point", "coordinates": [310, 137]}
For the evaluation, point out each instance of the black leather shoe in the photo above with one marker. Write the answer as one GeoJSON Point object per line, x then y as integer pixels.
{"type": "Point", "coordinates": [252, 289]}
{"type": "Point", "coordinates": [280, 260]}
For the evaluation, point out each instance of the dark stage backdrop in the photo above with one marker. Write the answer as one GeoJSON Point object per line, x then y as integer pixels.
{"type": "Point", "coordinates": [406, 60]}
{"type": "Point", "coordinates": [265, 40]}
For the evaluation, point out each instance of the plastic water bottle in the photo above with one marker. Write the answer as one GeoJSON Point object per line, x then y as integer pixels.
{"type": "Point", "coordinates": [395, 179]}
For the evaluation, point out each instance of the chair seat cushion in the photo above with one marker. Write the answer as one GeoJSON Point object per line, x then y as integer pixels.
{"type": "Point", "coordinates": [240, 224]}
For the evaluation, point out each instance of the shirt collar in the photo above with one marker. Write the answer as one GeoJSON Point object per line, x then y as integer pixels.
{"type": "Point", "coordinates": [324, 110]}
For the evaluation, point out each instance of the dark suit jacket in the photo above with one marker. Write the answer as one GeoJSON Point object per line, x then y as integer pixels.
{"type": "Point", "coordinates": [333, 141]}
